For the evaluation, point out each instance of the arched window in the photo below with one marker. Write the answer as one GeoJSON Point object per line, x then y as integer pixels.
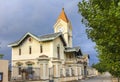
{"type": "Point", "coordinates": [30, 50]}
{"type": "Point", "coordinates": [58, 51]}
{"type": "Point", "coordinates": [41, 49]}
{"type": "Point", "coordinates": [19, 51]}
{"type": "Point", "coordinates": [69, 40]}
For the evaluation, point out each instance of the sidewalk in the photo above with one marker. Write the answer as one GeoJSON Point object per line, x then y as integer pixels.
{"type": "Point", "coordinates": [102, 78]}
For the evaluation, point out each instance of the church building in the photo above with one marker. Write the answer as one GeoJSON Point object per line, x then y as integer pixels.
{"type": "Point", "coordinates": [48, 56]}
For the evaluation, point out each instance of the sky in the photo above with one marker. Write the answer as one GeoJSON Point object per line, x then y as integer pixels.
{"type": "Point", "coordinates": [18, 17]}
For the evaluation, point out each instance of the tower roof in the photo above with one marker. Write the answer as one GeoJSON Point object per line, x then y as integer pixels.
{"type": "Point", "coordinates": [63, 16]}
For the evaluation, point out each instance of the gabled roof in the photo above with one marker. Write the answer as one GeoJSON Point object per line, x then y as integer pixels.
{"type": "Point", "coordinates": [48, 37]}
{"type": "Point", "coordinates": [19, 41]}
{"type": "Point", "coordinates": [63, 16]}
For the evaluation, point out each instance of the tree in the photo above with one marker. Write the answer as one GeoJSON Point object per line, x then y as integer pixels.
{"type": "Point", "coordinates": [102, 20]}
{"type": "Point", "coordinates": [1, 56]}
{"type": "Point", "coordinates": [99, 66]}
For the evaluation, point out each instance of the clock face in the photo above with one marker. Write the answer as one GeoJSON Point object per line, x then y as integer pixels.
{"type": "Point", "coordinates": [60, 29]}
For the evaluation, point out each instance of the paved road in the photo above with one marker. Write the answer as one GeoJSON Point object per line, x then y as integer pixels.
{"type": "Point", "coordinates": [103, 78]}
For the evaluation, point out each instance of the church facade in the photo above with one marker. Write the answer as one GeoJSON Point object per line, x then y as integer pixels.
{"type": "Point", "coordinates": [48, 56]}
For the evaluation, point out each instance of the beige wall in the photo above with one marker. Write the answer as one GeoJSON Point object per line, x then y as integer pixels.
{"type": "Point", "coordinates": [4, 69]}
{"type": "Point", "coordinates": [57, 42]}
{"type": "Point", "coordinates": [49, 49]}
{"type": "Point", "coordinates": [25, 50]}
{"type": "Point", "coordinates": [25, 56]}
{"type": "Point", "coordinates": [35, 45]}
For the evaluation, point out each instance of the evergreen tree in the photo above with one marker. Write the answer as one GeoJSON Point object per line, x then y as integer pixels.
{"type": "Point", "coordinates": [1, 56]}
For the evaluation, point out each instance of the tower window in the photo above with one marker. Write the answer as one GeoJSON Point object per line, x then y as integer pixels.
{"type": "Point", "coordinates": [68, 39]}
{"type": "Point", "coordinates": [19, 51]}
{"type": "Point", "coordinates": [30, 50]}
{"type": "Point", "coordinates": [41, 49]}
{"type": "Point", "coordinates": [58, 51]}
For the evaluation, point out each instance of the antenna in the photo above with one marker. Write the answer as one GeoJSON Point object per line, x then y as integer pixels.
{"type": "Point", "coordinates": [63, 5]}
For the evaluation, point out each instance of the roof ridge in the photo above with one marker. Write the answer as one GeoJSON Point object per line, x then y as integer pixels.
{"type": "Point", "coordinates": [18, 41]}
{"type": "Point", "coordinates": [39, 38]}
{"type": "Point", "coordinates": [76, 46]}
{"type": "Point", "coordinates": [73, 47]}
{"type": "Point", "coordinates": [48, 34]}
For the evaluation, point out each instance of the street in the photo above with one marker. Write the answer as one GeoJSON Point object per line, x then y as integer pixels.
{"type": "Point", "coordinates": [103, 78]}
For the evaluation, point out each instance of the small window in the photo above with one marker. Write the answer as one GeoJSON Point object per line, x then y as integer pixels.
{"type": "Point", "coordinates": [19, 51]}
{"type": "Point", "coordinates": [41, 49]}
{"type": "Point", "coordinates": [58, 51]}
{"type": "Point", "coordinates": [30, 50]}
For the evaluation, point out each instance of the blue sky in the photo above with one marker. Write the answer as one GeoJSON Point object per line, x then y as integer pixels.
{"type": "Point", "coordinates": [38, 17]}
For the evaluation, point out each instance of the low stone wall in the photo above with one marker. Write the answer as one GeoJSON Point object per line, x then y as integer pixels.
{"type": "Point", "coordinates": [37, 81]}
{"type": "Point", "coordinates": [65, 79]}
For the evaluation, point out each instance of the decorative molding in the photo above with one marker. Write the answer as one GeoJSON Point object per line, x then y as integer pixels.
{"type": "Point", "coordinates": [29, 62]}
{"type": "Point", "coordinates": [19, 63]}
{"type": "Point", "coordinates": [43, 57]}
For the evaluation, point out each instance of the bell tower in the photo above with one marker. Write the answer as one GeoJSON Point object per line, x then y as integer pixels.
{"type": "Point", "coordinates": [63, 25]}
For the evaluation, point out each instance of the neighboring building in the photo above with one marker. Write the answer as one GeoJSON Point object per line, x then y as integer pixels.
{"type": "Point", "coordinates": [3, 70]}
{"type": "Point", "coordinates": [84, 60]}
{"type": "Point", "coordinates": [92, 72]}
{"type": "Point", "coordinates": [56, 49]}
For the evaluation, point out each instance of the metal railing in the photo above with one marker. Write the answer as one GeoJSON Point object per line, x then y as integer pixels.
{"type": "Point", "coordinates": [25, 73]}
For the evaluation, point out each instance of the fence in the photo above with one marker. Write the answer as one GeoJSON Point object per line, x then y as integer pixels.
{"type": "Point", "coordinates": [29, 73]}
{"type": "Point", "coordinates": [51, 76]}
{"type": "Point", "coordinates": [25, 73]}
{"type": "Point", "coordinates": [35, 74]}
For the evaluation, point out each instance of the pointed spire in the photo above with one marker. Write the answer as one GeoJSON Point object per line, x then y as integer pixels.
{"type": "Point", "coordinates": [63, 16]}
